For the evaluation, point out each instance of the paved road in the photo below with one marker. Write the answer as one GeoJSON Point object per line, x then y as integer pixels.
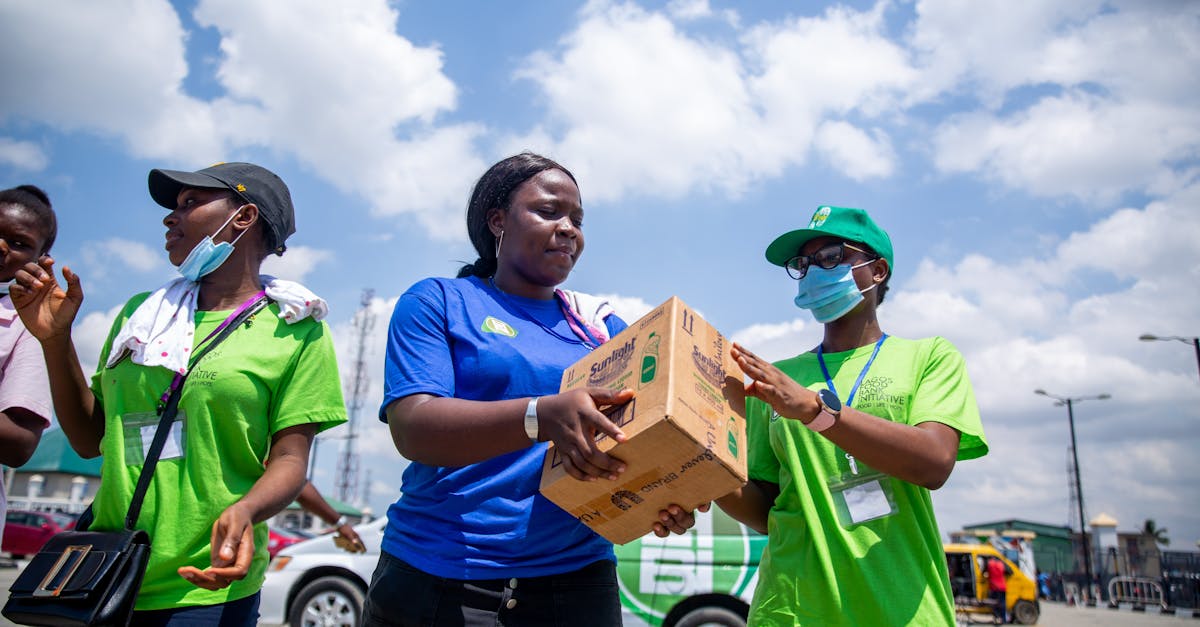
{"type": "Point", "coordinates": [1053, 614]}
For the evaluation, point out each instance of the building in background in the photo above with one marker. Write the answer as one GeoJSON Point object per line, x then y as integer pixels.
{"type": "Point", "coordinates": [1052, 545]}
{"type": "Point", "coordinates": [55, 479]}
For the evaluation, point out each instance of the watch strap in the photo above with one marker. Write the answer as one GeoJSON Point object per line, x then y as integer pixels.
{"type": "Point", "coordinates": [824, 418]}
{"type": "Point", "coordinates": [531, 419]}
{"type": "Point", "coordinates": [823, 421]}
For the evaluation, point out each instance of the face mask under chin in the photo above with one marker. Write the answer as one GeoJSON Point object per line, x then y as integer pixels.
{"type": "Point", "coordinates": [207, 256]}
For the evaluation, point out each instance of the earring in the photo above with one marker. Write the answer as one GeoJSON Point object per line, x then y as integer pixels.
{"type": "Point", "coordinates": [499, 242]}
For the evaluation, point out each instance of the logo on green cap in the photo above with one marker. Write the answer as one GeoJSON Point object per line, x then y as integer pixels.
{"type": "Point", "coordinates": [819, 217]}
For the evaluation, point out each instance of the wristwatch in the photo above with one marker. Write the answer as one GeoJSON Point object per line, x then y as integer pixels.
{"type": "Point", "coordinates": [831, 410]}
{"type": "Point", "coordinates": [531, 421]}
{"type": "Point", "coordinates": [339, 522]}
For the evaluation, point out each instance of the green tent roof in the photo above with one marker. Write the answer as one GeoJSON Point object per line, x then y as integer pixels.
{"type": "Point", "coordinates": [54, 454]}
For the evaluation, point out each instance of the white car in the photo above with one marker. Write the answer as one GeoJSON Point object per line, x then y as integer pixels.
{"type": "Point", "coordinates": [315, 584]}
{"type": "Point", "coordinates": [704, 577]}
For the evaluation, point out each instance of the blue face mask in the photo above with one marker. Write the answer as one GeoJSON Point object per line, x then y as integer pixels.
{"type": "Point", "coordinates": [830, 294]}
{"type": "Point", "coordinates": [208, 256]}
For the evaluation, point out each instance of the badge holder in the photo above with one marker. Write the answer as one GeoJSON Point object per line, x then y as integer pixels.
{"type": "Point", "coordinates": [140, 429]}
{"type": "Point", "coordinates": [859, 497]}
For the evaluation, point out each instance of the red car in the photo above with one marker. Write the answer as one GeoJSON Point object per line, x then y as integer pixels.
{"type": "Point", "coordinates": [278, 537]}
{"type": "Point", "coordinates": [25, 532]}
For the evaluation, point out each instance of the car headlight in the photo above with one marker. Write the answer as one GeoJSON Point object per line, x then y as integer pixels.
{"type": "Point", "coordinates": [279, 562]}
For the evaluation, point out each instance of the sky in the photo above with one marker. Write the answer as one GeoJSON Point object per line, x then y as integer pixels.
{"type": "Point", "coordinates": [1037, 165]}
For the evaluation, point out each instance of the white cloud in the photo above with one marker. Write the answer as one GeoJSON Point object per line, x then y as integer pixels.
{"type": "Point", "coordinates": [1078, 144]}
{"type": "Point", "coordinates": [837, 63]}
{"type": "Point", "coordinates": [629, 308]}
{"type": "Point", "coordinates": [1080, 98]}
{"type": "Point", "coordinates": [855, 153]}
{"type": "Point", "coordinates": [774, 342]}
{"type": "Point", "coordinates": [105, 257]}
{"type": "Point", "coordinates": [296, 262]}
{"type": "Point", "coordinates": [120, 76]}
{"type": "Point", "coordinates": [89, 334]}
{"type": "Point", "coordinates": [22, 155]}
{"type": "Point", "coordinates": [350, 86]}
{"type": "Point", "coordinates": [636, 104]}
{"type": "Point", "coordinates": [639, 106]}
{"type": "Point", "coordinates": [689, 9]}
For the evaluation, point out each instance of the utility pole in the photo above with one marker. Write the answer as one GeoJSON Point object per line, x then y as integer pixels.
{"type": "Point", "coordinates": [1087, 551]}
{"type": "Point", "coordinates": [347, 471]}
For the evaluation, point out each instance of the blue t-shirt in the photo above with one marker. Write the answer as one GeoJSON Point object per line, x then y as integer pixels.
{"type": "Point", "coordinates": [462, 338]}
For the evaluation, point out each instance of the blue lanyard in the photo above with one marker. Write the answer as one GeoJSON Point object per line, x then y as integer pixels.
{"type": "Point", "coordinates": [853, 390]}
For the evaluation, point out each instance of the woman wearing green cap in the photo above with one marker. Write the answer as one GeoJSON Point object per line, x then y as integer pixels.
{"type": "Point", "coordinates": [237, 450]}
{"type": "Point", "coordinates": [846, 442]}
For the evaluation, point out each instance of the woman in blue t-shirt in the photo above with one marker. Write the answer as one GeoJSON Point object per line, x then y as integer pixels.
{"type": "Point", "coordinates": [471, 397]}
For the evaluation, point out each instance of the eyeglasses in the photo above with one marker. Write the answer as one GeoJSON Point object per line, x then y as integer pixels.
{"type": "Point", "coordinates": [827, 257]}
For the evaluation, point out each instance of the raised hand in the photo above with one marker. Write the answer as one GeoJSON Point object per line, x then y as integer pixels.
{"type": "Point", "coordinates": [768, 383]}
{"type": "Point", "coordinates": [45, 308]}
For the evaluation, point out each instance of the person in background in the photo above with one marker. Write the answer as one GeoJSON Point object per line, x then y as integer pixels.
{"type": "Point", "coordinates": [997, 580]}
{"type": "Point", "coordinates": [27, 231]}
{"type": "Point", "coordinates": [847, 440]}
{"type": "Point", "coordinates": [471, 397]}
{"type": "Point", "coordinates": [259, 397]}
{"type": "Point", "coordinates": [346, 537]}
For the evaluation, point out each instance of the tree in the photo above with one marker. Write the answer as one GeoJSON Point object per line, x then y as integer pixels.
{"type": "Point", "coordinates": [1152, 530]}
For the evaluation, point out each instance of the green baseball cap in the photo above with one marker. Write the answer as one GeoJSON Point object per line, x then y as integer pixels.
{"type": "Point", "coordinates": [842, 222]}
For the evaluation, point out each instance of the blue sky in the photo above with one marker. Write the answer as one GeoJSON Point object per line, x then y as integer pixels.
{"type": "Point", "coordinates": [1035, 163]}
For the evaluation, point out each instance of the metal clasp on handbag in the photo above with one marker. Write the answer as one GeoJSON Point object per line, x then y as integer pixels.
{"type": "Point", "coordinates": [66, 566]}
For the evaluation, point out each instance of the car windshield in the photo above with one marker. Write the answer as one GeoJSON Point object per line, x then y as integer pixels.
{"type": "Point", "coordinates": [63, 520]}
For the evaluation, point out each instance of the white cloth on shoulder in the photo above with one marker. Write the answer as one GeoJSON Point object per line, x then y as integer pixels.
{"type": "Point", "coordinates": [161, 331]}
{"type": "Point", "coordinates": [591, 311]}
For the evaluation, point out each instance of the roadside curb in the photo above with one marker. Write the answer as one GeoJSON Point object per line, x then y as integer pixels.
{"type": "Point", "coordinates": [1178, 612]}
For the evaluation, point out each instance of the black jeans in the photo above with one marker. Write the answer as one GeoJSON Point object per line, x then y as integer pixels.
{"type": "Point", "coordinates": [402, 595]}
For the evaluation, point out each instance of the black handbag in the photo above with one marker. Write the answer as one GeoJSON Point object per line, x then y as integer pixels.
{"type": "Point", "coordinates": [84, 578]}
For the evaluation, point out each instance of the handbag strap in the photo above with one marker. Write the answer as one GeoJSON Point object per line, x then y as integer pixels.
{"type": "Point", "coordinates": [169, 405]}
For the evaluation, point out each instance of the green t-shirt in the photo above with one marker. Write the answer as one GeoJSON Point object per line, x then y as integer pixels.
{"type": "Point", "coordinates": [264, 377]}
{"type": "Point", "coordinates": [887, 571]}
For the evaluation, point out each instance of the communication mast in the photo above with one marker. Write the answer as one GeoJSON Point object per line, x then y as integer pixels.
{"type": "Point", "coordinates": [347, 471]}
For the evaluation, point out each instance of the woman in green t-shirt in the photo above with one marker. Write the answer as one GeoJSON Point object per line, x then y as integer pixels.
{"type": "Point", "coordinates": [256, 399]}
{"type": "Point", "coordinates": [847, 440]}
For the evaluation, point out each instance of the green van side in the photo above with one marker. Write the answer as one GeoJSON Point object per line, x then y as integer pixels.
{"type": "Point", "coordinates": [704, 577]}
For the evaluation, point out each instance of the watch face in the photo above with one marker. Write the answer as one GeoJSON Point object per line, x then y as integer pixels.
{"type": "Point", "coordinates": [831, 400]}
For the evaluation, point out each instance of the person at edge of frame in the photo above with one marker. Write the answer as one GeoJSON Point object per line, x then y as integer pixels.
{"type": "Point", "coordinates": [260, 396]}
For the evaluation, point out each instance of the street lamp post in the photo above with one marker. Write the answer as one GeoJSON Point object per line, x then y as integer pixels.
{"type": "Point", "coordinates": [1194, 341]}
{"type": "Point", "coordinates": [1069, 402]}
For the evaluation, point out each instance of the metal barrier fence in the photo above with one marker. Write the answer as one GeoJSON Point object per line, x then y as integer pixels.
{"type": "Point", "coordinates": [1139, 591]}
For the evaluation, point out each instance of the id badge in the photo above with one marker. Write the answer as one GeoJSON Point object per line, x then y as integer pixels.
{"type": "Point", "coordinates": [859, 498]}
{"type": "Point", "coordinates": [139, 429]}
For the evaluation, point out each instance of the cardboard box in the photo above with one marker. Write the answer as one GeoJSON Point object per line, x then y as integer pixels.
{"type": "Point", "coordinates": [686, 427]}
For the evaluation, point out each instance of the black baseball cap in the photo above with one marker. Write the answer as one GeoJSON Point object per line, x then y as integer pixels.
{"type": "Point", "coordinates": [253, 183]}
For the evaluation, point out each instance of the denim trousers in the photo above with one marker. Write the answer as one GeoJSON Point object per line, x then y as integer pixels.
{"type": "Point", "coordinates": [402, 595]}
{"type": "Point", "coordinates": [240, 613]}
